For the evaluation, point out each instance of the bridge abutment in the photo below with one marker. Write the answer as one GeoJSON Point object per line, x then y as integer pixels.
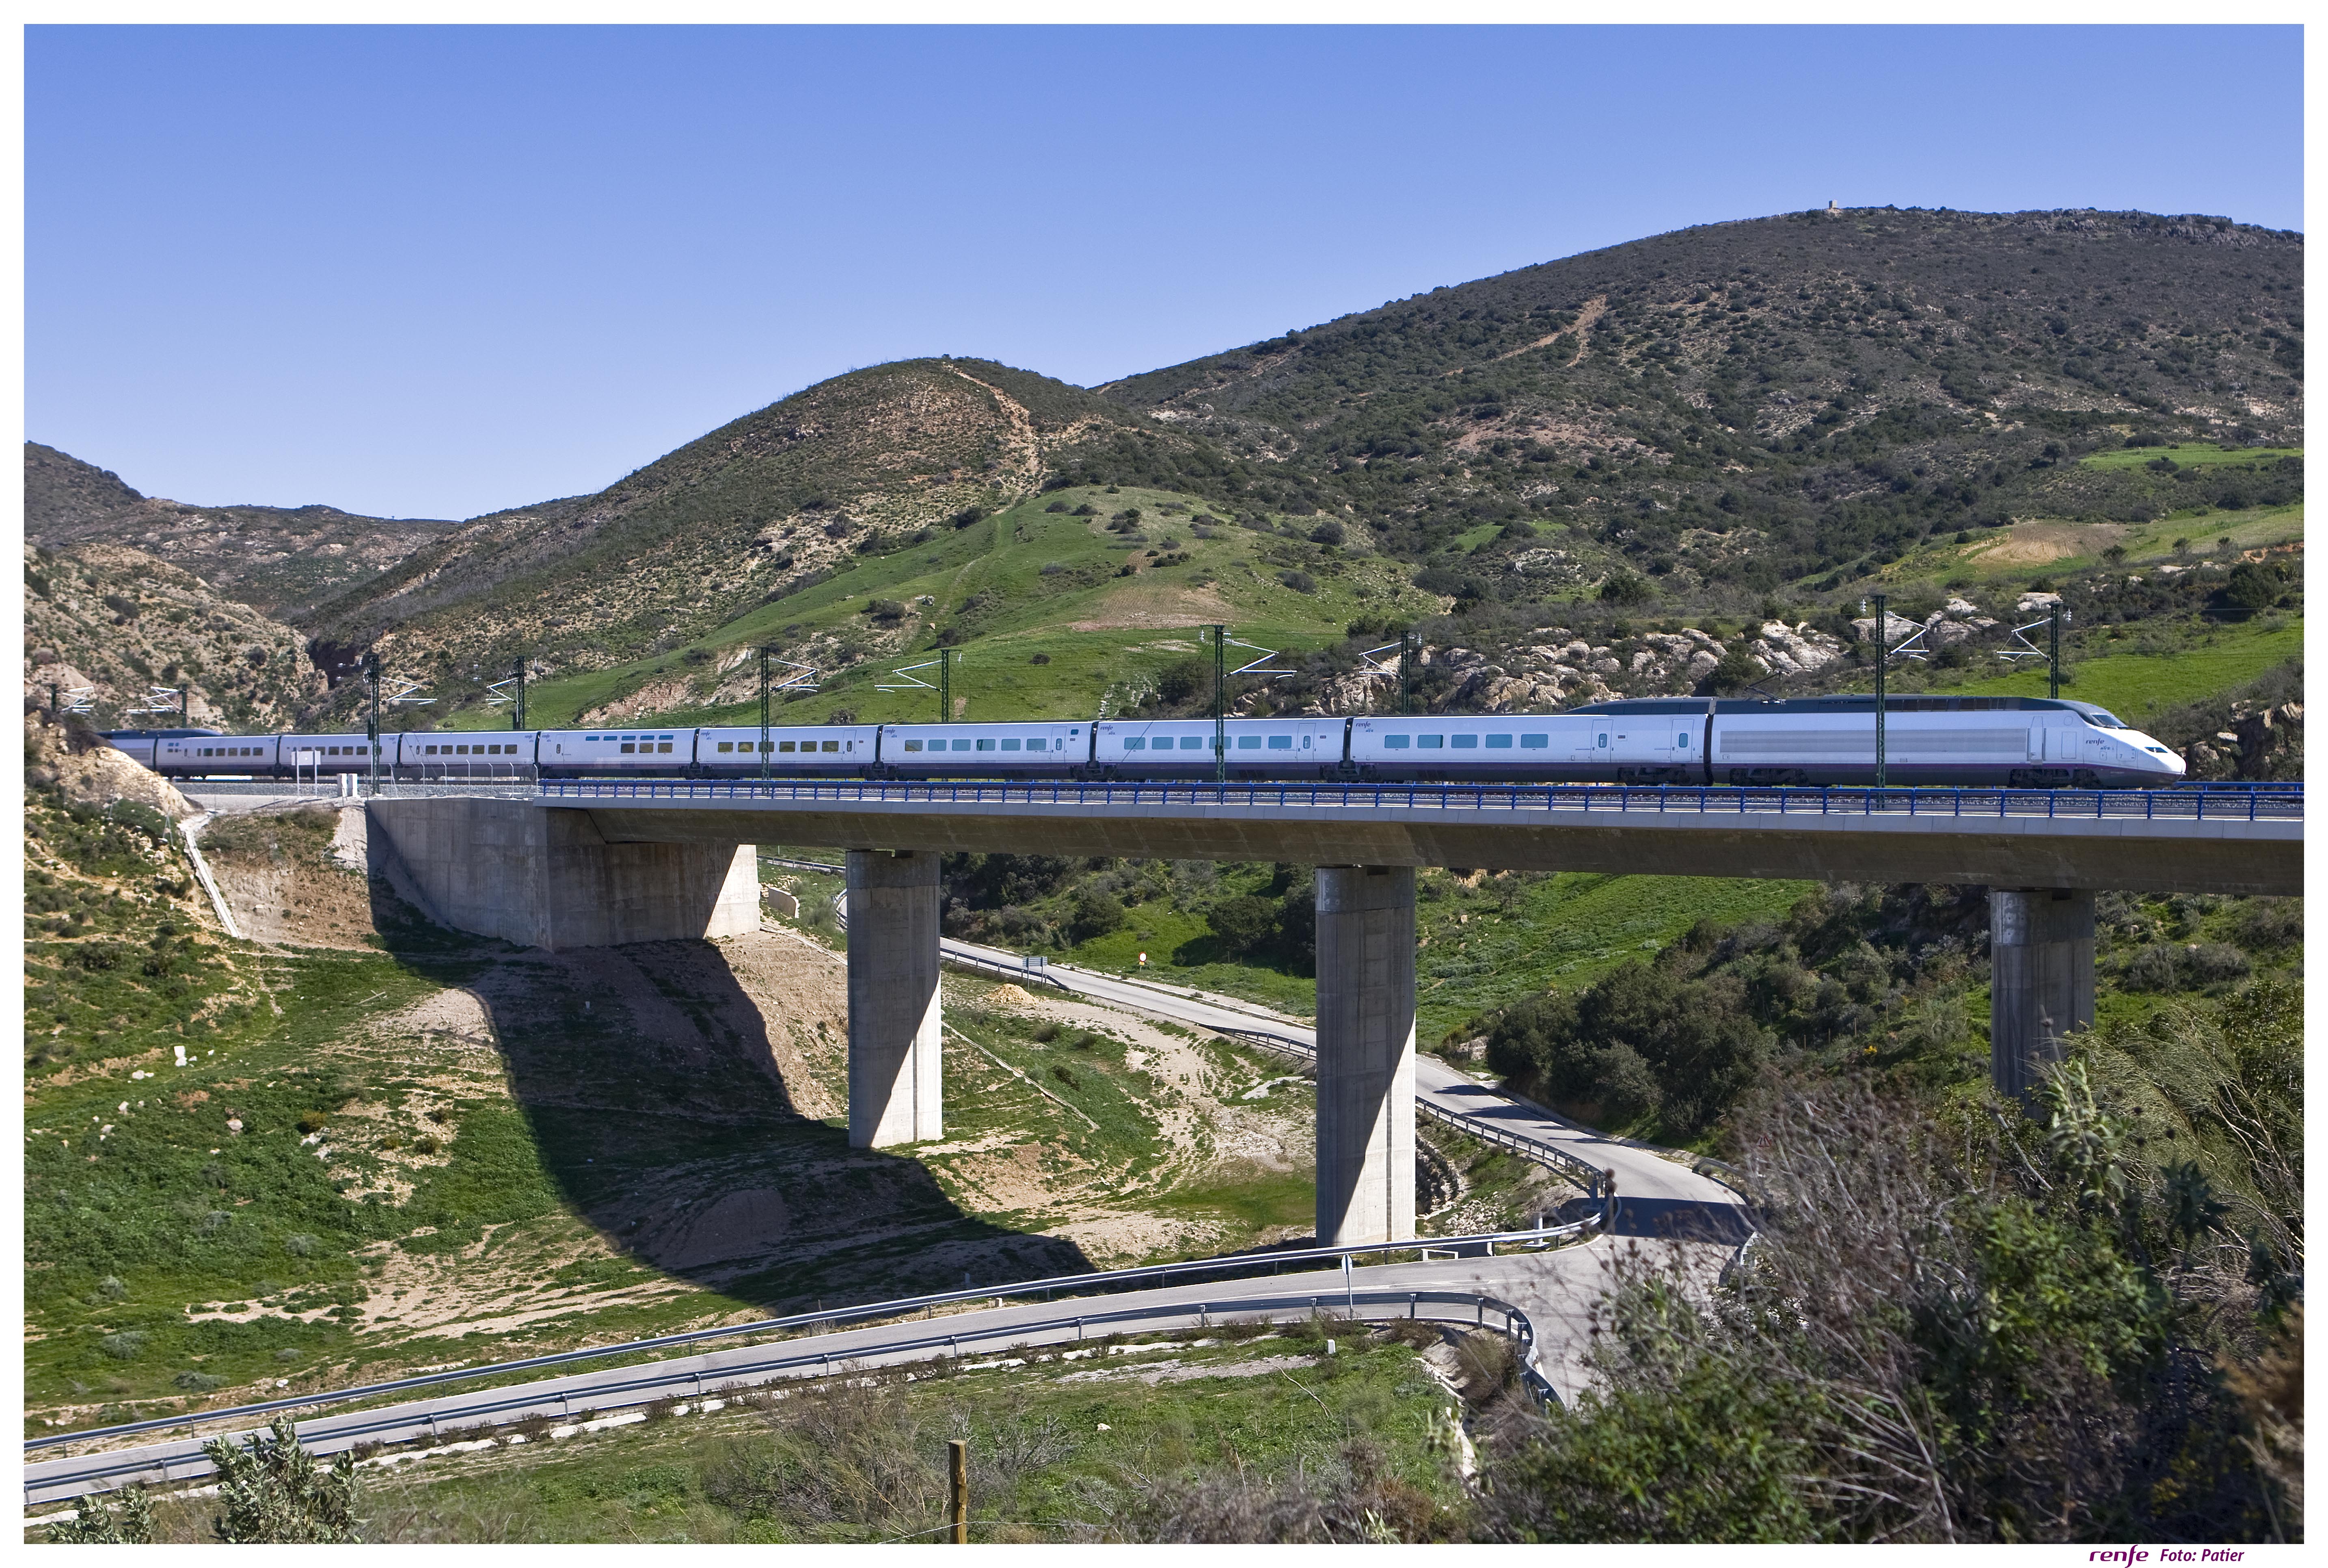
{"type": "Point", "coordinates": [1365, 1053]}
{"type": "Point", "coordinates": [896, 1079]}
{"type": "Point", "coordinates": [2040, 980]}
{"type": "Point", "coordinates": [546, 877]}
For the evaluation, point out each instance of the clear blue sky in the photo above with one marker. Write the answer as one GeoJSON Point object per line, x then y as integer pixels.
{"type": "Point", "coordinates": [432, 272]}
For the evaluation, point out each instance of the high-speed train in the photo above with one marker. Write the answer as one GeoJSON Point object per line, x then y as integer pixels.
{"type": "Point", "coordinates": [2021, 741]}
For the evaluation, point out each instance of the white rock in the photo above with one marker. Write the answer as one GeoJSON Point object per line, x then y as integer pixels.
{"type": "Point", "coordinates": [1963, 607]}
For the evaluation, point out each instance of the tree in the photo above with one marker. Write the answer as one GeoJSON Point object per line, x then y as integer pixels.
{"type": "Point", "coordinates": [1242, 924]}
{"type": "Point", "coordinates": [1094, 914]}
{"type": "Point", "coordinates": [1737, 671]}
{"type": "Point", "coordinates": [273, 1491]}
{"type": "Point", "coordinates": [1328, 532]}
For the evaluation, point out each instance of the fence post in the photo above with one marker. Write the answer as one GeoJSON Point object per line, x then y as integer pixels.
{"type": "Point", "coordinates": [958, 1463]}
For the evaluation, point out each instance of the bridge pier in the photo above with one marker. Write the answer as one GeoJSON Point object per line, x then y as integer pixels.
{"type": "Point", "coordinates": [895, 1083]}
{"type": "Point", "coordinates": [2040, 980]}
{"type": "Point", "coordinates": [1365, 1053]}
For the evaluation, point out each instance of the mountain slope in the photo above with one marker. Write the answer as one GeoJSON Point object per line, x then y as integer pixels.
{"type": "Point", "coordinates": [1760, 401]}
{"type": "Point", "coordinates": [118, 623]}
{"type": "Point", "coordinates": [279, 560]}
{"type": "Point", "coordinates": [758, 509]}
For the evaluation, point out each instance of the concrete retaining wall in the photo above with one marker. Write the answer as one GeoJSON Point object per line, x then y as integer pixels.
{"type": "Point", "coordinates": [545, 878]}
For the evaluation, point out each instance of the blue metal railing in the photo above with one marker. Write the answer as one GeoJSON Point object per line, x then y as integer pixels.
{"type": "Point", "coordinates": [2247, 802]}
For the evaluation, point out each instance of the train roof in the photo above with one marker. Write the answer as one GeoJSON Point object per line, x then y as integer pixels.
{"type": "Point", "coordinates": [1915, 704]}
{"type": "Point", "coordinates": [156, 734]}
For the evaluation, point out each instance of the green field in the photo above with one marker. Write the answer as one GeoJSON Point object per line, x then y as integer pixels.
{"type": "Point", "coordinates": [2194, 662]}
{"type": "Point", "coordinates": [2192, 455]}
{"type": "Point", "coordinates": [1038, 644]}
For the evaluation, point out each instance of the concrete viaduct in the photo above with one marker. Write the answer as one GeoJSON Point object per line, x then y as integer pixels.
{"type": "Point", "coordinates": [579, 864]}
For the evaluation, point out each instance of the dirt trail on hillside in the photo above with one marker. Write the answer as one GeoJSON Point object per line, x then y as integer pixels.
{"type": "Point", "coordinates": [1022, 438]}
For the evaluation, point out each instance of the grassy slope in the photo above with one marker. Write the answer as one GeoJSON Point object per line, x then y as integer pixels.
{"type": "Point", "coordinates": [1486, 941]}
{"type": "Point", "coordinates": [2190, 662]}
{"type": "Point", "coordinates": [1092, 1446]}
{"type": "Point", "coordinates": [2189, 454]}
{"type": "Point", "coordinates": [1141, 623]}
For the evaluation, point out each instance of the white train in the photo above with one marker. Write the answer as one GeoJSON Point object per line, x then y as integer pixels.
{"type": "Point", "coordinates": [2021, 741]}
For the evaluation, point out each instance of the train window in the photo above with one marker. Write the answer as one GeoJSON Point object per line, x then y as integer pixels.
{"type": "Point", "coordinates": [664, 747]}
{"type": "Point", "coordinates": [1431, 742]}
{"type": "Point", "coordinates": [730, 746]}
{"type": "Point", "coordinates": [1012, 743]}
{"type": "Point", "coordinates": [910, 746]}
{"type": "Point", "coordinates": [1535, 742]}
{"type": "Point", "coordinates": [832, 745]}
{"type": "Point", "coordinates": [782, 746]}
{"type": "Point", "coordinates": [1192, 743]}
{"type": "Point", "coordinates": [1681, 741]}
{"type": "Point", "coordinates": [961, 745]}
{"type": "Point", "coordinates": [765, 746]}
{"type": "Point", "coordinates": [627, 748]}
{"type": "Point", "coordinates": [984, 743]}
{"type": "Point", "coordinates": [1499, 743]}
{"type": "Point", "coordinates": [1135, 743]}
{"type": "Point", "coordinates": [1397, 742]}
{"type": "Point", "coordinates": [1467, 743]}
{"type": "Point", "coordinates": [1280, 743]}
{"type": "Point", "coordinates": [1248, 743]}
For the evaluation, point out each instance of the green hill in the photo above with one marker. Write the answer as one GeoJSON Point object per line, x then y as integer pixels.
{"type": "Point", "coordinates": [1741, 419]}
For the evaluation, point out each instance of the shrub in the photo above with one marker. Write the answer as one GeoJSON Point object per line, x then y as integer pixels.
{"type": "Point", "coordinates": [1622, 588]}
{"type": "Point", "coordinates": [273, 1491]}
{"type": "Point", "coordinates": [312, 1121]}
{"type": "Point", "coordinates": [885, 609]}
{"type": "Point", "coordinates": [1184, 678]}
{"type": "Point", "coordinates": [125, 1346]}
{"type": "Point", "coordinates": [95, 1524]}
{"type": "Point", "coordinates": [197, 1382]}
{"type": "Point", "coordinates": [1328, 532]}
{"type": "Point", "coordinates": [1300, 582]}
{"type": "Point", "coordinates": [300, 1244]}
{"type": "Point", "coordinates": [1094, 914]}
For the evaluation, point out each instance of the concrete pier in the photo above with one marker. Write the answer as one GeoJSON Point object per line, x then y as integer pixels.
{"type": "Point", "coordinates": [2040, 980]}
{"type": "Point", "coordinates": [1365, 1053]}
{"type": "Point", "coordinates": [896, 1079]}
{"type": "Point", "coordinates": [543, 878]}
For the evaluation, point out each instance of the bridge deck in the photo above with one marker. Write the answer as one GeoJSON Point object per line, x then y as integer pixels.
{"type": "Point", "coordinates": [2246, 841]}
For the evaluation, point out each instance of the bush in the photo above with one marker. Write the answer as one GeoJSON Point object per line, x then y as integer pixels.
{"type": "Point", "coordinates": [1637, 1040]}
{"type": "Point", "coordinates": [1183, 678]}
{"type": "Point", "coordinates": [1092, 915]}
{"type": "Point", "coordinates": [95, 1524]}
{"type": "Point", "coordinates": [1738, 671]}
{"type": "Point", "coordinates": [1622, 588]}
{"type": "Point", "coordinates": [1300, 582]}
{"type": "Point", "coordinates": [273, 1491]}
{"type": "Point", "coordinates": [885, 609]}
{"type": "Point", "coordinates": [197, 1382]}
{"type": "Point", "coordinates": [125, 1346]}
{"type": "Point", "coordinates": [1328, 532]}
{"type": "Point", "coordinates": [1244, 924]}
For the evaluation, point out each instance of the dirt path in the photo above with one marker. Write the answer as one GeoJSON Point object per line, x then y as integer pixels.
{"type": "Point", "coordinates": [1022, 435]}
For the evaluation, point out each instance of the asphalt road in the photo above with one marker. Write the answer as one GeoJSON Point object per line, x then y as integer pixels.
{"type": "Point", "coordinates": [1664, 1191]}
{"type": "Point", "coordinates": [1553, 1288]}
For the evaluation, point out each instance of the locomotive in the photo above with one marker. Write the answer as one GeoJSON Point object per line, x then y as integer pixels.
{"type": "Point", "coordinates": [2023, 742]}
